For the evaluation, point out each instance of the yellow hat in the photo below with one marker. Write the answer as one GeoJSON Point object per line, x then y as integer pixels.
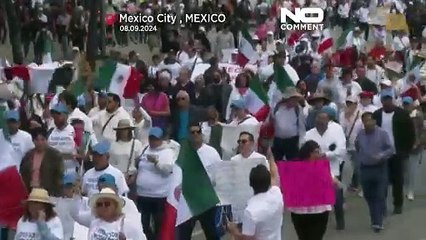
{"type": "Point", "coordinates": [39, 195]}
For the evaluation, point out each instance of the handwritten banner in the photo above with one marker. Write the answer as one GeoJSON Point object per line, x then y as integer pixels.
{"type": "Point", "coordinates": [306, 183]}
{"type": "Point", "coordinates": [232, 69]}
{"type": "Point", "coordinates": [232, 184]}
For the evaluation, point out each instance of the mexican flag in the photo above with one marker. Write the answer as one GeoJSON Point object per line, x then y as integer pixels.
{"type": "Point", "coordinates": [326, 41]}
{"type": "Point", "coordinates": [246, 50]}
{"type": "Point", "coordinates": [282, 79]}
{"type": "Point", "coordinates": [118, 78]}
{"type": "Point", "coordinates": [191, 194]}
{"type": "Point", "coordinates": [257, 99]}
{"type": "Point", "coordinates": [14, 192]}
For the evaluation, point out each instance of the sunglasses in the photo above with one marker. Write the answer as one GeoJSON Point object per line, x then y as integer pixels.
{"type": "Point", "coordinates": [193, 132]}
{"type": "Point", "coordinates": [103, 204]}
{"type": "Point", "coordinates": [242, 141]}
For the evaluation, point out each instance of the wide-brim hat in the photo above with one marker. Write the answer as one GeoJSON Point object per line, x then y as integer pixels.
{"type": "Point", "coordinates": [124, 124]}
{"type": "Point", "coordinates": [318, 96]}
{"type": "Point", "coordinates": [39, 195]}
{"type": "Point", "coordinates": [109, 194]}
{"type": "Point", "coordinates": [291, 92]}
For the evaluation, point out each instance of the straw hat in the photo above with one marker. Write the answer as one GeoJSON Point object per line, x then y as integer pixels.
{"type": "Point", "coordinates": [124, 124]}
{"type": "Point", "coordinates": [291, 92]}
{"type": "Point", "coordinates": [106, 193]}
{"type": "Point", "coordinates": [317, 96]}
{"type": "Point", "coordinates": [39, 195]}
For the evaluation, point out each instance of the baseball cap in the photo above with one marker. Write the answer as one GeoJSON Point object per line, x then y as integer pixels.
{"type": "Point", "coordinates": [238, 103]}
{"type": "Point", "coordinates": [331, 112]}
{"type": "Point", "coordinates": [101, 148]}
{"type": "Point", "coordinates": [366, 94]}
{"type": "Point", "coordinates": [12, 115]}
{"type": "Point", "coordinates": [107, 179]}
{"type": "Point", "coordinates": [69, 179]}
{"type": "Point", "coordinates": [156, 132]}
{"type": "Point", "coordinates": [386, 93]}
{"type": "Point", "coordinates": [407, 100]}
{"type": "Point", "coordinates": [60, 108]}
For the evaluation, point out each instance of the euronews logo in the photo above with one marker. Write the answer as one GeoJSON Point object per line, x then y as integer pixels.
{"type": "Point", "coordinates": [307, 19]}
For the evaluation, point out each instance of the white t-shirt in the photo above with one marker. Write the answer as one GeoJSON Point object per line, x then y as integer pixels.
{"type": "Point", "coordinates": [21, 142]}
{"type": "Point", "coordinates": [27, 230]}
{"type": "Point", "coordinates": [208, 156]}
{"type": "Point", "coordinates": [263, 216]}
{"type": "Point", "coordinates": [100, 229]}
{"type": "Point", "coordinates": [119, 155]}
{"type": "Point", "coordinates": [253, 155]}
{"type": "Point", "coordinates": [63, 141]}
{"type": "Point", "coordinates": [248, 120]}
{"type": "Point", "coordinates": [90, 180]}
{"type": "Point", "coordinates": [388, 127]}
{"type": "Point", "coordinates": [154, 180]}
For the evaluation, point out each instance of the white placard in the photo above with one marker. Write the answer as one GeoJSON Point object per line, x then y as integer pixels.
{"type": "Point", "coordinates": [232, 184]}
{"type": "Point", "coordinates": [232, 69]}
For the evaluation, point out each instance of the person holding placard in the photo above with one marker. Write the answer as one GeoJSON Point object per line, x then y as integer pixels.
{"type": "Point", "coordinates": [311, 222]}
{"type": "Point", "coordinates": [332, 140]}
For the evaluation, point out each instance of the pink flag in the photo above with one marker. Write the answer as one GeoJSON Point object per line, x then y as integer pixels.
{"type": "Point", "coordinates": [306, 183]}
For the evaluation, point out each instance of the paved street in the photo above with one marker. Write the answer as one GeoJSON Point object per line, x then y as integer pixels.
{"type": "Point", "coordinates": [408, 226]}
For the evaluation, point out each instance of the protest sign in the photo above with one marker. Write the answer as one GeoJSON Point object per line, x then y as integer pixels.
{"type": "Point", "coordinates": [306, 183]}
{"type": "Point", "coordinates": [232, 69]}
{"type": "Point", "coordinates": [396, 22]}
{"type": "Point", "coordinates": [232, 184]}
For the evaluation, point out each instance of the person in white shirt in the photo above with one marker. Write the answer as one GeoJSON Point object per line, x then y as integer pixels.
{"type": "Point", "coordinates": [208, 157]}
{"type": "Point", "coordinates": [350, 120]}
{"type": "Point", "coordinates": [374, 72]}
{"type": "Point", "coordinates": [366, 102]}
{"type": "Point", "coordinates": [107, 218]}
{"type": "Point", "coordinates": [125, 150]}
{"type": "Point", "coordinates": [400, 44]}
{"type": "Point", "coordinates": [108, 119]}
{"type": "Point", "coordinates": [332, 140]}
{"type": "Point", "coordinates": [362, 15]}
{"type": "Point", "coordinates": [39, 221]}
{"type": "Point", "coordinates": [240, 115]}
{"type": "Point", "coordinates": [61, 137]}
{"type": "Point", "coordinates": [355, 39]}
{"type": "Point", "coordinates": [153, 69]}
{"type": "Point", "coordinates": [263, 216]}
{"type": "Point", "coordinates": [263, 54]}
{"type": "Point", "coordinates": [170, 63]}
{"type": "Point", "coordinates": [343, 12]}
{"type": "Point", "coordinates": [246, 147]}
{"type": "Point", "coordinates": [193, 59]}
{"type": "Point", "coordinates": [225, 40]}
{"type": "Point", "coordinates": [21, 141]}
{"type": "Point", "coordinates": [289, 124]}
{"type": "Point", "coordinates": [102, 166]}
{"type": "Point", "coordinates": [153, 180]}
{"type": "Point", "coordinates": [102, 103]}
{"type": "Point", "coordinates": [348, 86]}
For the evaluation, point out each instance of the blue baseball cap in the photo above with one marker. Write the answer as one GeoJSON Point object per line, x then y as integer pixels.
{"type": "Point", "coordinates": [331, 112]}
{"type": "Point", "coordinates": [101, 148]}
{"type": "Point", "coordinates": [60, 108]}
{"type": "Point", "coordinates": [156, 132]}
{"type": "Point", "coordinates": [12, 115]}
{"type": "Point", "coordinates": [386, 93]}
{"type": "Point", "coordinates": [69, 179]}
{"type": "Point", "coordinates": [238, 103]}
{"type": "Point", "coordinates": [407, 100]}
{"type": "Point", "coordinates": [107, 179]}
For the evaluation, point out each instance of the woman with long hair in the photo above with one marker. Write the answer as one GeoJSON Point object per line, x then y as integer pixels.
{"type": "Point", "coordinates": [39, 221]}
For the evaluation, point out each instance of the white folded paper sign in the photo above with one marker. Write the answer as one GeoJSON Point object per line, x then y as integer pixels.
{"type": "Point", "coordinates": [394, 66]}
{"type": "Point", "coordinates": [5, 92]}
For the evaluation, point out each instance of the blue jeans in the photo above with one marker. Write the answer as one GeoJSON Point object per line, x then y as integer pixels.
{"type": "Point", "coordinates": [374, 182]}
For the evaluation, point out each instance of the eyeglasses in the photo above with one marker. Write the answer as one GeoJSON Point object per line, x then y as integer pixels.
{"type": "Point", "coordinates": [193, 132]}
{"type": "Point", "coordinates": [242, 141]}
{"type": "Point", "coordinates": [103, 204]}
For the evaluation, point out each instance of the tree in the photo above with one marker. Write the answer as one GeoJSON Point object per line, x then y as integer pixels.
{"type": "Point", "coordinates": [14, 26]}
